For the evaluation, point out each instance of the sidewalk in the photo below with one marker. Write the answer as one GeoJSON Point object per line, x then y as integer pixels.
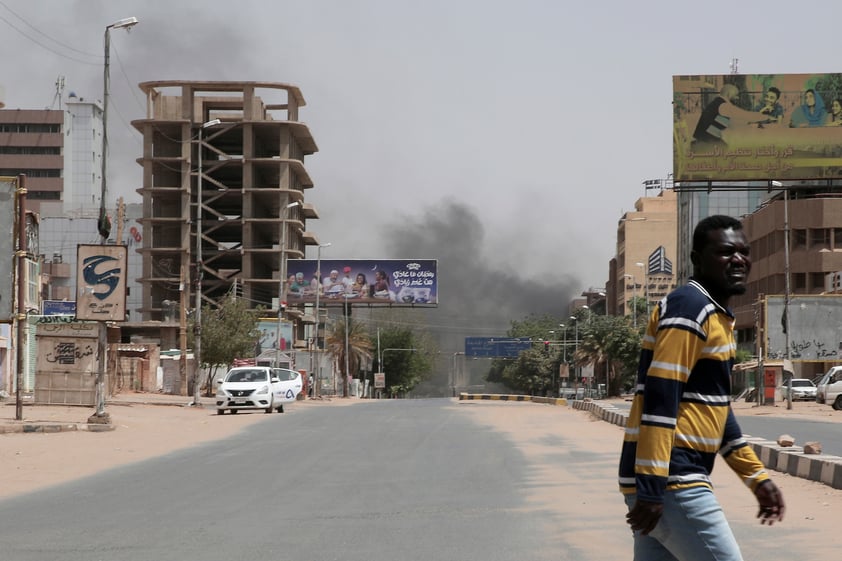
{"type": "Point", "coordinates": [68, 418]}
{"type": "Point", "coordinates": [791, 460]}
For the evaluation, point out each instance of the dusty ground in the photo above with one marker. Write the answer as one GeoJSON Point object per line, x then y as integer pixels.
{"type": "Point", "coordinates": [144, 429]}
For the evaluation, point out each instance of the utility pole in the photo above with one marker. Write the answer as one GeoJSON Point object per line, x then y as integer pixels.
{"type": "Point", "coordinates": [182, 327]}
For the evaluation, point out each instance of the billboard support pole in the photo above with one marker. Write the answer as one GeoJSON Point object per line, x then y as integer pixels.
{"type": "Point", "coordinates": [21, 316]}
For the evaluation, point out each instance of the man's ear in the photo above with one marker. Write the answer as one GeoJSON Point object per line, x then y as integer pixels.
{"type": "Point", "coordinates": [694, 258]}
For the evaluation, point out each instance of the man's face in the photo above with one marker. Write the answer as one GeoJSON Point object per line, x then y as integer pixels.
{"type": "Point", "coordinates": [722, 267]}
{"type": "Point", "coordinates": [771, 98]}
{"type": "Point", "coordinates": [334, 275]}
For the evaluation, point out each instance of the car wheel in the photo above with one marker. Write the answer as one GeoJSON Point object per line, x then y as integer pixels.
{"type": "Point", "coordinates": [220, 411]}
{"type": "Point", "coordinates": [280, 409]}
{"type": "Point", "coordinates": [837, 405]}
{"type": "Point", "coordinates": [234, 411]}
{"type": "Point", "coordinates": [269, 409]}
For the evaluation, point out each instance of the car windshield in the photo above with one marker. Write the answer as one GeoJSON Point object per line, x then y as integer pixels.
{"type": "Point", "coordinates": [247, 376]}
{"type": "Point", "coordinates": [802, 383]}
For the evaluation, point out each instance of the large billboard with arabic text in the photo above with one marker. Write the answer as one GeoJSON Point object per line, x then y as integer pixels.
{"type": "Point", "coordinates": [738, 127]}
{"type": "Point", "coordinates": [392, 282]}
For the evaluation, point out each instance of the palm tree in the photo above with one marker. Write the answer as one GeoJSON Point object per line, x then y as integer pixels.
{"type": "Point", "coordinates": [358, 345]}
{"type": "Point", "coordinates": [611, 341]}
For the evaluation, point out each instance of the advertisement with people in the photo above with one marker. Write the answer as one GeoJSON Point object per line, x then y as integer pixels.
{"type": "Point", "coordinates": [737, 127]}
{"type": "Point", "coordinates": [393, 282]}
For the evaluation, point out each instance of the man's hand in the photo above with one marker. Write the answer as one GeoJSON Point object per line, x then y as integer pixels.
{"type": "Point", "coordinates": [644, 516]}
{"type": "Point", "coordinates": [771, 503]}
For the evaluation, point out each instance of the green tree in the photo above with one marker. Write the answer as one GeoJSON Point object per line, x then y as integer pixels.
{"type": "Point", "coordinates": [229, 331]}
{"type": "Point", "coordinates": [611, 344]}
{"type": "Point", "coordinates": [536, 370]}
{"type": "Point", "coordinates": [404, 369]}
{"type": "Point", "coordinates": [357, 343]}
{"type": "Point", "coordinates": [533, 372]}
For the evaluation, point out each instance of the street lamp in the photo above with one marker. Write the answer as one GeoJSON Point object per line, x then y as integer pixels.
{"type": "Point", "coordinates": [634, 297]}
{"type": "Point", "coordinates": [103, 226]}
{"type": "Point", "coordinates": [453, 373]}
{"type": "Point", "coordinates": [575, 362]}
{"type": "Point", "coordinates": [316, 339]}
{"type": "Point", "coordinates": [197, 324]}
{"type": "Point", "coordinates": [282, 280]}
{"type": "Point", "coordinates": [645, 286]}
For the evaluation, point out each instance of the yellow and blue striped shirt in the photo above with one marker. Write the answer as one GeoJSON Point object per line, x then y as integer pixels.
{"type": "Point", "coordinates": [681, 413]}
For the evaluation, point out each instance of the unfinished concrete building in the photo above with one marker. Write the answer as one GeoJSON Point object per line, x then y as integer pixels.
{"type": "Point", "coordinates": [224, 161]}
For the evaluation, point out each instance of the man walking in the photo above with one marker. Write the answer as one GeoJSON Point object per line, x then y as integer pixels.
{"type": "Point", "coordinates": [681, 415]}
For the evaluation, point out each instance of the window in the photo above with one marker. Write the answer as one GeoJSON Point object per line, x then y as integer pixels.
{"type": "Point", "coordinates": [820, 238]}
{"type": "Point", "coordinates": [799, 239]}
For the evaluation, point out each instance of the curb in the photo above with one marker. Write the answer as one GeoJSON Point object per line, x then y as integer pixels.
{"type": "Point", "coordinates": [786, 459]}
{"type": "Point", "coordinates": [55, 427]}
{"type": "Point", "coordinates": [505, 397]}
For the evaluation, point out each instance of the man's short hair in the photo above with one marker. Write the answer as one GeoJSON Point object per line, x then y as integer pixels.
{"type": "Point", "coordinates": [711, 223]}
{"type": "Point", "coordinates": [775, 91]}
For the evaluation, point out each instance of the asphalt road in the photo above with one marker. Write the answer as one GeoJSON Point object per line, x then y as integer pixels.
{"type": "Point", "coordinates": [390, 480]}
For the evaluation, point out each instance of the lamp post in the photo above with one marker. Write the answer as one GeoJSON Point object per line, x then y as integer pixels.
{"type": "Point", "coordinates": [282, 280]}
{"type": "Point", "coordinates": [575, 362]}
{"type": "Point", "coordinates": [787, 287]}
{"type": "Point", "coordinates": [453, 374]}
{"type": "Point", "coordinates": [314, 367]}
{"type": "Point", "coordinates": [634, 297]}
{"type": "Point", "coordinates": [645, 287]}
{"type": "Point", "coordinates": [103, 226]}
{"type": "Point", "coordinates": [197, 324]}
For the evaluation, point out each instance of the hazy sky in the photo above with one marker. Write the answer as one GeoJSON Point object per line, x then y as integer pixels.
{"type": "Point", "coordinates": [510, 136]}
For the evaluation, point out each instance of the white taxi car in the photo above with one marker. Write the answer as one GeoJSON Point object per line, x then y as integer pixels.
{"type": "Point", "coordinates": [257, 387]}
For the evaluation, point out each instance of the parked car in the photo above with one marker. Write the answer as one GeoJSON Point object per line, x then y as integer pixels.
{"type": "Point", "coordinates": [257, 387]}
{"type": "Point", "coordinates": [829, 388]}
{"type": "Point", "coordinates": [802, 388]}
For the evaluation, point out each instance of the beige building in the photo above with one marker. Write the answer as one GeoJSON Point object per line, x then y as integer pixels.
{"type": "Point", "coordinates": [228, 156]}
{"type": "Point", "coordinates": [815, 256]}
{"type": "Point", "coordinates": [646, 250]}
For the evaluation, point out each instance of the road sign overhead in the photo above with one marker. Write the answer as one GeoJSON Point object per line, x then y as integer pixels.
{"type": "Point", "coordinates": [496, 346]}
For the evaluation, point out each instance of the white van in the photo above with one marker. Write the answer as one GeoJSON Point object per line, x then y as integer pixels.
{"type": "Point", "coordinates": [829, 388]}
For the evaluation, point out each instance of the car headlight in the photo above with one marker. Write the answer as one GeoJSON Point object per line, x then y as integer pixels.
{"type": "Point", "coordinates": [264, 389]}
{"type": "Point", "coordinates": [220, 392]}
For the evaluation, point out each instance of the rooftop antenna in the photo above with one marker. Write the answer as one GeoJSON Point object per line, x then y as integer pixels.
{"type": "Point", "coordinates": [733, 65]}
{"type": "Point", "coordinates": [59, 92]}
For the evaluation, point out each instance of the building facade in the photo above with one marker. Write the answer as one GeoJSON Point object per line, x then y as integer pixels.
{"type": "Point", "coordinates": [814, 219]}
{"type": "Point", "coordinates": [223, 191]}
{"type": "Point", "coordinates": [642, 268]}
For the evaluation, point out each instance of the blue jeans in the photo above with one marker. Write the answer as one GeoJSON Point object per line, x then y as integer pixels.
{"type": "Point", "coordinates": [692, 528]}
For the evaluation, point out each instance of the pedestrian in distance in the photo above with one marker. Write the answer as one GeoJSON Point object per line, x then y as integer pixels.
{"type": "Point", "coordinates": [681, 414]}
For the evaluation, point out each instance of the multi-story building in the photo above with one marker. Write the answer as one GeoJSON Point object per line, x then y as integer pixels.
{"type": "Point", "coordinates": [223, 165]}
{"type": "Point", "coordinates": [646, 249]}
{"type": "Point", "coordinates": [814, 218]}
{"type": "Point", "coordinates": [60, 152]}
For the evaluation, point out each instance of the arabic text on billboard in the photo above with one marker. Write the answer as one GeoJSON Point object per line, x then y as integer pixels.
{"type": "Point", "coordinates": [815, 328]}
{"type": "Point", "coordinates": [737, 127]}
{"type": "Point", "coordinates": [395, 282]}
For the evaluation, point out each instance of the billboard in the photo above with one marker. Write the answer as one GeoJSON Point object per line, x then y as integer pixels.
{"type": "Point", "coordinates": [815, 328]}
{"type": "Point", "coordinates": [101, 282]}
{"type": "Point", "coordinates": [738, 127]}
{"type": "Point", "coordinates": [393, 282]}
{"type": "Point", "coordinates": [496, 346]}
{"type": "Point", "coordinates": [268, 328]}
{"type": "Point", "coordinates": [8, 219]}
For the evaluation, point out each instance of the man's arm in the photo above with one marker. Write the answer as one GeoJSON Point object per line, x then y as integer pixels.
{"type": "Point", "coordinates": [741, 458]}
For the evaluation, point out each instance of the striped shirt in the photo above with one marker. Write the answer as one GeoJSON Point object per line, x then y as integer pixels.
{"type": "Point", "coordinates": [681, 413]}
